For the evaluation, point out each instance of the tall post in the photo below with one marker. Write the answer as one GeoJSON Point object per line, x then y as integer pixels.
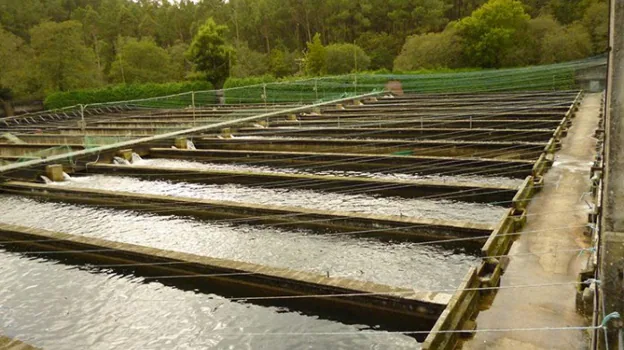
{"type": "Point", "coordinates": [612, 235]}
{"type": "Point", "coordinates": [83, 124]}
{"type": "Point", "coordinates": [316, 88]}
{"type": "Point", "coordinates": [356, 69]}
{"type": "Point", "coordinates": [264, 94]}
{"type": "Point", "coordinates": [193, 105]}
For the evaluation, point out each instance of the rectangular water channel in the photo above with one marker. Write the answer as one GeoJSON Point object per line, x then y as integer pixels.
{"type": "Point", "coordinates": [462, 179]}
{"type": "Point", "coordinates": [411, 265]}
{"type": "Point", "coordinates": [351, 201]}
{"type": "Point", "coordinates": [52, 305]}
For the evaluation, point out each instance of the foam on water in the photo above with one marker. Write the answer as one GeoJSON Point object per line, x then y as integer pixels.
{"type": "Point", "coordinates": [120, 161]}
{"type": "Point", "coordinates": [423, 267]}
{"type": "Point", "coordinates": [136, 159]}
{"type": "Point", "coordinates": [396, 206]}
{"type": "Point", "coordinates": [174, 163]}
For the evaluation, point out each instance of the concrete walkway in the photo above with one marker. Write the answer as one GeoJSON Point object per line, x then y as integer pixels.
{"type": "Point", "coordinates": [558, 205]}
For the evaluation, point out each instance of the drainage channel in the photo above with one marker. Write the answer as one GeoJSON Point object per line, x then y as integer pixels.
{"type": "Point", "coordinates": [280, 235]}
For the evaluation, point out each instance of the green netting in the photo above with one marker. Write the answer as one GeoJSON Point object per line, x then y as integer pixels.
{"type": "Point", "coordinates": [95, 141]}
{"type": "Point", "coordinates": [280, 94]}
{"type": "Point", "coordinates": [561, 76]}
{"type": "Point", "coordinates": [45, 153]}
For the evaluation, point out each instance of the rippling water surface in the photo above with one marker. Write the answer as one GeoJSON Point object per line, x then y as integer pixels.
{"type": "Point", "coordinates": [409, 265]}
{"type": "Point", "coordinates": [412, 207]}
{"type": "Point", "coordinates": [56, 306]}
{"type": "Point", "coordinates": [59, 306]}
{"type": "Point", "coordinates": [174, 163]}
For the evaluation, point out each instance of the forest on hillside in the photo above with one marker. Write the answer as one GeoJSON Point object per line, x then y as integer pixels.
{"type": "Point", "coordinates": [61, 45]}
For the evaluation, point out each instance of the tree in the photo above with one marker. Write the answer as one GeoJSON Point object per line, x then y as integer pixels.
{"type": "Point", "coordinates": [382, 48]}
{"type": "Point", "coordinates": [14, 57]}
{"type": "Point", "coordinates": [566, 44]}
{"type": "Point", "coordinates": [316, 57]}
{"type": "Point", "coordinates": [282, 62]}
{"type": "Point", "coordinates": [567, 11]}
{"type": "Point", "coordinates": [417, 16]}
{"type": "Point", "coordinates": [62, 58]}
{"type": "Point", "coordinates": [528, 50]}
{"type": "Point", "coordinates": [180, 66]}
{"type": "Point", "coordinates": [457, 9]}
{"type": "Point", "coordinates": [249, 62]}
{"type": "Point", "coordinates": [537, 8]}
{"type": "Point", "coordinates": [596, 21]}
{"type": "Point", "coordinates": [492, 32]}
{"type": "Point", "coordinates": [19, 16]}
{"type": "Point", "coordinates": [91, 28]}
{"type": "Point", "coordinates": [140, 61]}
{"type": "Point", "coordinates": [210, 53]}
{"type": "Point", "coordinates": [345, 58]}
{"type": "Point", "coordinates": [346, 18]}
{"type": "Point", "coordinates": [430, 51]}
{"type": "Point", "coordinates": [277, 36]}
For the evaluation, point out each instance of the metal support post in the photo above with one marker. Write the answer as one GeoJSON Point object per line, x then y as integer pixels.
{"type": "Point", "coordinates": [193, 105]}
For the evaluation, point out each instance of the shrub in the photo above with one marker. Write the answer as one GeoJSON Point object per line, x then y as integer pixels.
{"type": "Point", "coordinates": [122, 92]}
{"type": "Point", "coordinates": [140, 61]}
{"type": "Point", "coordinates": [345, 58]}
{"type": "Point", "coordinates": [315, 59]}
{"type": "Point", "coordinates": [430, 51]}
{"type": "Point", "coordinates": [382, 48]}
{"type": "Point", "coordinates": [566, 44]}
{"type": "Point", "coordinates": [249, 63]}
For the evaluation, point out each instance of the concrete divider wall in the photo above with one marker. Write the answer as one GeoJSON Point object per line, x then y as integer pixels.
{"type": "Point", "coordinates": [457, 315]}
{"type": "Point", "coordinates": [524, 194]}
{"type": "Point", "coordinates": [541, 165]}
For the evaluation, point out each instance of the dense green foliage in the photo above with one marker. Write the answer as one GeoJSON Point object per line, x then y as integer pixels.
{"type": "Point", "coordinates": [316, 58]}
{"type": "Point", "coordinates": [121, 93]}
{"type": "Point", "coordinates": [210, 53]}
{"type": "Point", "coordinates": [490, 34]}
{"type": "Point", "coordinates": [141, 61]}
{"type": "Point", "coordinates": [430, 51]}
{"type": "Point", "coordinates": [345, 58]}
{"type": "Point", "coordinates": [66, 45]}
{"type": "Point", "coordinates": [62, 59]}
{"type": "Point", "coordinates": [14, 55]}
{"type": "Point", "coordinates": [501, 33]}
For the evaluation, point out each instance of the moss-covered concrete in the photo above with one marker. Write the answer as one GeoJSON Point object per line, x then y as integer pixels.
{"type": "Point", "coordinates": [7, 343]}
